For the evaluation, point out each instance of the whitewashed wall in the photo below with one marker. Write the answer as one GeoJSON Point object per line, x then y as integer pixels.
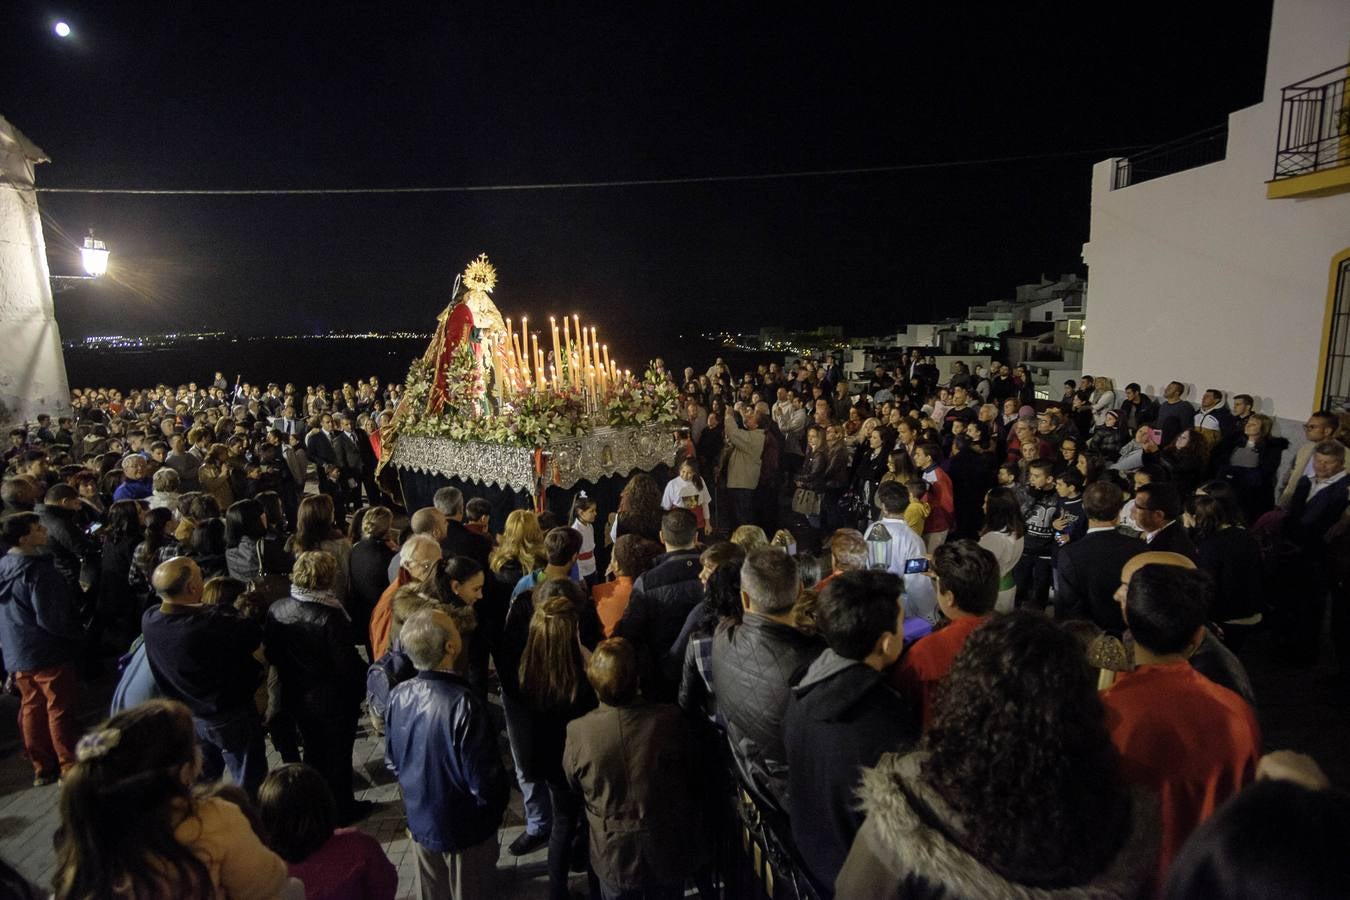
{"type": "Point", "coordinates": [1198, 277]}
{"type": "Point", "coordinates": [32, 369]}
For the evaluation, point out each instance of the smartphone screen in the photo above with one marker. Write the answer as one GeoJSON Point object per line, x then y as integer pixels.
{"type": "Point", "coordinates": [914, 566]}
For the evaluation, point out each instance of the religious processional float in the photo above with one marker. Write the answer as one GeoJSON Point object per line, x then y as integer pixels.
{"type": "Point", "coordinates": [496, 405]}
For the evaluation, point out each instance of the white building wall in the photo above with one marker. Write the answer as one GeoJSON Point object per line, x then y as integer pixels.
{"type": "Point", "coordinates": [1200, 278]}
{"type": "Point", "coordinates": [32, 369]}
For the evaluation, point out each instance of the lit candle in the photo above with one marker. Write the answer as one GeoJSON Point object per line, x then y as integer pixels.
{"type": "Point", "coordinates": [605, 348]}
{"type": "Point", "coordinates": [553, 374]}
{"type": "Point", "coordinates": [518, 352]}
{"type": "Point", "coordinates": [570, 375]}
{"type": "Point", "coordinates": [595, 351]}
{"type": "Point", "coordinates": [538, 378]}
{"type": "Point", "coordinates": [557, 351]}
{"type": "Point", "coordinates": [509, 334]}
{"type": "Point", "coordinates": [585, 350]}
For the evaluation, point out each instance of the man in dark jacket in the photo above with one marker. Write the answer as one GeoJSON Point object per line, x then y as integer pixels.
{"type": "Point", "coordinates": [752, 663]}
{"type": "Point", "coordinates": [443, 750]}
{"type": "Point", "coordinates": [75, 554]}
{"type": "Point", "coordinates": [203, 657]}
{"type": "Point", "coordinates": [1086, 569]}
{"type": "Point", "coordinates": [660, 603]}
{"type": "Point", "coordinates": [842, 716]}
{"type": "Point", "coordinates": [459, 540]}
{"type": "Point", "coordinates": [327, 466]}
{"type": "Point", "coordinates": [40, 633]}
{"type": "Point", "coordinates": [1157, 512]}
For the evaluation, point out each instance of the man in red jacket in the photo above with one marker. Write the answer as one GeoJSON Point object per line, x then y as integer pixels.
{"type": "Point", "coordinates": [1178, 733]}
{"type": "Point", "coordinates": [967, 586]}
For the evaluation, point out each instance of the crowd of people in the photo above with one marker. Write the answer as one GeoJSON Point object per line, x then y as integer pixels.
{"type": "Point", "coordinates": [948, 640]}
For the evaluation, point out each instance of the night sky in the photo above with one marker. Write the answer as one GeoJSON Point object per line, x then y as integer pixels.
{"type": "Point", "coordinates": [284, 95]}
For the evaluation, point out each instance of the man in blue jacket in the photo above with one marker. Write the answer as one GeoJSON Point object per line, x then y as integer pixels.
{"type": "Point", "coordinates": [40, 632]}
{"type": "Point", "coordinates": [443, 750]}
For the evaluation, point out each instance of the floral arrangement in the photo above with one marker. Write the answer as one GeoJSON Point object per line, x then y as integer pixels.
{"type": "Point", "coordinates": [533, 418]}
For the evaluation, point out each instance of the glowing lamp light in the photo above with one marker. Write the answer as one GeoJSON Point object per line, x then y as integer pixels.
{"type": "Point", "coordinates": [879, 547]}
{"type": "Point", "coordinates": [61, 29]}
{"type": "Point", "coordinates": [94, 255]}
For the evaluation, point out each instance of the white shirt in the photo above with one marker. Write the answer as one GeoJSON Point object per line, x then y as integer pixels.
{"type": "Point", "coordinates": [1317, 485]}
{"type": "Point", "coordinates": [920, 596]}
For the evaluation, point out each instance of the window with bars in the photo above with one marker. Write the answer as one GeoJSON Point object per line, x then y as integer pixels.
{"type": "Point", "coordinates": [1336, 376]}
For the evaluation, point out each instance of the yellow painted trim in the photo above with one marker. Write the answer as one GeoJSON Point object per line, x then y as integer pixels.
{"type": "Point", "coordinates": [1327, 320]}
{"type": "Point", "coordinates": [1314, 184]}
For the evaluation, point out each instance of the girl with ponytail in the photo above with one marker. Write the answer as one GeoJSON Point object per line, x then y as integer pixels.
{"type": "Point", "coordinates": [131, 826]}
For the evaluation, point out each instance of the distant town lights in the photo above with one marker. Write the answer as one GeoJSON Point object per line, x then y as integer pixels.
{"type": "Point", "coordinates": [94, 255]}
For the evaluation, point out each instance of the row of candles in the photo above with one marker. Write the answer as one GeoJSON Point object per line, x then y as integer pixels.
{"type": "Point", "coordinates": [588, 370]}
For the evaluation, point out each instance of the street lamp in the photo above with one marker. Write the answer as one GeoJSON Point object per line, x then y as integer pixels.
{"type": "Point", "coordinates": [879, 547]}
{"type": "Point", "coordinates": [93, 256]}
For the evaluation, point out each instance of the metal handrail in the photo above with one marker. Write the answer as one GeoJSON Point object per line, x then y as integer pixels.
{"type": "Point", "coordinates": [1208, 145]}
{"type": "Point", "coordinates": [1314, 129]}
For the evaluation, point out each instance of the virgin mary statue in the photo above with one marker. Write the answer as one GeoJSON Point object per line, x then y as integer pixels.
{"type": "Point", "coordinates": [472, 318]}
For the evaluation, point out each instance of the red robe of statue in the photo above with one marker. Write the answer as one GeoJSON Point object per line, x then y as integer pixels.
{"type": "Point", "coordinates": [1185, 737]}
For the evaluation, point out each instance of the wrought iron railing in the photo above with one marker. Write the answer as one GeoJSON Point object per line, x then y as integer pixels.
{"type": "Point", "coordinates": [1314, 124]}
{"type": "Point", "coordinates": [1198, 149]}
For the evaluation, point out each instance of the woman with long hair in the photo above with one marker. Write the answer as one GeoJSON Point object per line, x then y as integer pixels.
{"type": "Point", "coordinates": [1015, 788]}
{"type": "Point", "coordinates": [119, 605]}
{"type": "Point", "coordinates": [1250, 464]}
{"type": "Point", "coordinates": [1187, 458]}
{"type": "Point", "coordinates": [519, 550]}
{"type": "Point", "coordinates": [555, 690]}
{"type": "Point", "coordinates": [206, 547]}
{"type": "Point", "coordinates": [1002, 536]}
{"type": "Point", "coordinates": [721, 576]}
{"type": "Point", "coordinates": [249, 552]}
{"type": "Point", "coordinates": [316, 529]}
{"type": "Point", "coordinates": [639, 508]}
{"type": "Point", "coordinates": [131, 827]}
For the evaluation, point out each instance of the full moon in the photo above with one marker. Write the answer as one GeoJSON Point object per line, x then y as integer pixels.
{"type": "Point", "coordinates": [62, 29]}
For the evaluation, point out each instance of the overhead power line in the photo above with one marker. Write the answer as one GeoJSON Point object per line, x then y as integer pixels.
{"type": "Point", "coordinates": [583, 185]}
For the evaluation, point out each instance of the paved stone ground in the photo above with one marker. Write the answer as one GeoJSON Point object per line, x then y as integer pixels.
{"type": "Point", "coordinates": [29, 815]}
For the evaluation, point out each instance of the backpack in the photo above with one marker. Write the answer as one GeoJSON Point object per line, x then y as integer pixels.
{"type": "Point", "coordinates": [385, 674]}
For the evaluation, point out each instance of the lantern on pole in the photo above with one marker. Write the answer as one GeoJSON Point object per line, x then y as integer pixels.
{"type": "Point", "coordinates": [879, 547]}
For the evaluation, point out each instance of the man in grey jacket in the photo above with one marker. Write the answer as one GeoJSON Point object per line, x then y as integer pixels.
{"type": "Point", "coordinates": [745, 449]}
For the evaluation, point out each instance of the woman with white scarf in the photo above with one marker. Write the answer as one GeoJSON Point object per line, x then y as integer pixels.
{"type": "Point", "coordinates": [309, 639]}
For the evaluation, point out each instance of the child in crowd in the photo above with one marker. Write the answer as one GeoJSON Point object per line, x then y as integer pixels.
{"type": "Point", "coordinates": [299, 816]}
{"type": "Point", "coordinates": [584, 511]}
{"type": "Point", "coordinates": [477, 514]}
{"type": "Point", "coordinates": [130, 825]}
{"type": "Point", "coordinates": [687, 489]}
{"type": "Point", "coordinates": [916, 513]}
{"type": "Point", "coordinates": [1040, 508]}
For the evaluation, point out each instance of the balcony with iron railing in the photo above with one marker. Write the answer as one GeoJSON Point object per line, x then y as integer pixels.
{"type": "Point", "coordinates": [1312, 150]}
{"type": "Point", "coordinates": [1198, 149]}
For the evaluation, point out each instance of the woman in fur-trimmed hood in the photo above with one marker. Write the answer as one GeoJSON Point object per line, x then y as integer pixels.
{"type": "Point", "coordinates": [1015, 791]}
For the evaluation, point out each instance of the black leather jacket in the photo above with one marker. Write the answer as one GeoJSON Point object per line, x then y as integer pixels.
{"type": "Point", "coordinates": [311, 646]}
{"type": "Point", "coordinates": [443, 750]}
{"type": "Point", "coordinates": [752, 663]}
{"type": "Point", "coordinates": [657, 609]}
